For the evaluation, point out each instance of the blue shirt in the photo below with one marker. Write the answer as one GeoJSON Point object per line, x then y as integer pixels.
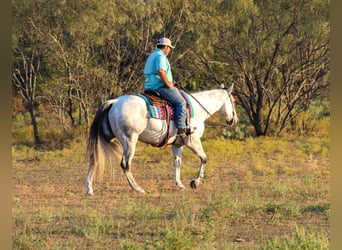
{"type": "Point", "coordinates": [156, 61]}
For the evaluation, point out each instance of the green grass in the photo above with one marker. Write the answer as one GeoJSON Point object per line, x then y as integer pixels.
{"type": "Point", "coordinates": [258, 193]}
{"type": "Point", "coordinates": [302, 239]}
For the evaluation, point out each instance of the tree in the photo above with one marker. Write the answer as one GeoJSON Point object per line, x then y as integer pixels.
{"type": "Point", "coordinates": [135, 30]}
{"type": "Point", "coordinates": [276, 53]}
{"type": "Point", "coordinates": [25, 74]}
{"type": "Point", "coordinates": [73, 36]}
{"type": "Point", "coordinates": [27, 64]}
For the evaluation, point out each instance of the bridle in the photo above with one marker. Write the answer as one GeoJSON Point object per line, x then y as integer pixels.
{"type": "Point", "coordinates": [210, 115]}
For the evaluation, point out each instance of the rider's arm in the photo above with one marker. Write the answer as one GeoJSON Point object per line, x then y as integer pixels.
{"type": "Point", "coordinates": [163, 77]}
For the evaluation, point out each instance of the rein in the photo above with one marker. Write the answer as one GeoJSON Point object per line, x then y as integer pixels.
{"type": "Point", "coordinates": [211, 116]}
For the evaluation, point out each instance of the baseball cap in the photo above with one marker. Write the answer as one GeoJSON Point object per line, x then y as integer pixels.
{"type": "Point", "coordinates": [165, 41]}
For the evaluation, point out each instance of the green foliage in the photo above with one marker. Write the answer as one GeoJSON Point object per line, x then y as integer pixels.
{"type": "Point", "coordinates": [301, 240]}
{"type": "Point", "coordinates": [316, 121]}
{"type": "Point", "coordinates": [94, 226]}
{"type": "Point", "coordinates": [52, 136]}
{"type": "Point", "coordinates": [178, 236]}
{"type": "Point", "coordinates": [96, 50]}
{"type": "Point", "coordinates": [27, 240]}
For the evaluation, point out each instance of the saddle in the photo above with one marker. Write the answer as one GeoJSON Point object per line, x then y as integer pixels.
{"type": "Point", "coordinates": [155, 98]}
{"type": "Point", "coordinates": [164, 107]}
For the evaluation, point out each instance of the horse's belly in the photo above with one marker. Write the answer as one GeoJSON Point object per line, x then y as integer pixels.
{"type": "Point", "coordinates": [155, 131]}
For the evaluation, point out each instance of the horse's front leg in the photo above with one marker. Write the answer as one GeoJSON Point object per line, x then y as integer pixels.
{"type": "Point", "coordinates": [177, 161]}
{"type": "Point", "coordinates": [195, 182]}
{"type": "Point", "coordinates": [196, 146]}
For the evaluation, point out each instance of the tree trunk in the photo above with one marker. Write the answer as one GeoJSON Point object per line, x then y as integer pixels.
{"type": "Point", "coordinates": [37, 140]}
{"type": "Point", "coordinates": [71, 108]}
{"type": "Point", "coordinates": [256, 121]}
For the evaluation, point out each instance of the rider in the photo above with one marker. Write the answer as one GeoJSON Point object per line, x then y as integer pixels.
{"type": "Point", "coordinates": [159, 78]}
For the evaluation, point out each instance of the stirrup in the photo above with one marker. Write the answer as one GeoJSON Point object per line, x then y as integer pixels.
{"type": "Point", "coordinates": [180, 140]}
{"type": "Point", "coordinates": [181, 132]}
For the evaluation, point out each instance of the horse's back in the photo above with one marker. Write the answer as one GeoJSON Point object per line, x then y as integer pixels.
{"type": "Point", "coordinates": [128, 115]}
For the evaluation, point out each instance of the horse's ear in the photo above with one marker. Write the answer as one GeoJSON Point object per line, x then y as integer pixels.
{"type": "Point", "coordinates": [230, 88]}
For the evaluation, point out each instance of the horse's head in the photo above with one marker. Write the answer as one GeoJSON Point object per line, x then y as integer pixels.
{"type": "Point", "coordinates": [228, 108]}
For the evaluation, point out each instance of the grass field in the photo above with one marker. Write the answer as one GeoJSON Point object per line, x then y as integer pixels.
{"type": "Point", "coordinates": [258, 193]}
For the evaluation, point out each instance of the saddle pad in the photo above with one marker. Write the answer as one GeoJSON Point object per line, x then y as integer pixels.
{"type": "Point", "coordinates": [159, 112]}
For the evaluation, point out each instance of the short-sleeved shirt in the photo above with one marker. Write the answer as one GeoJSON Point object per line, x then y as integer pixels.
{"type": "Point", "coordinates": [156, 61]}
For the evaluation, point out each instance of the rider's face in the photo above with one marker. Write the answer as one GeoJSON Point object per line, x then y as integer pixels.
{"type": "Point", "coordinates": [167, 50]}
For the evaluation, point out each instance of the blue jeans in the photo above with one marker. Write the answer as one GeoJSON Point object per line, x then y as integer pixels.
{"type": "Point", "coordinates": [174, 96]}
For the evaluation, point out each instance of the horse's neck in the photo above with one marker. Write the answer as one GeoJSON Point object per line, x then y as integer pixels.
{"type": "Point", "coordinates": [211, 100]}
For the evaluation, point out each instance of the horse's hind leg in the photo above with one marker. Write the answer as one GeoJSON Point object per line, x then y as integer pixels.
{"type": "Point", "coordinates": [90, 176]}
{"type": "Point", "coordinates": [126, 162]}
{"type": "Point", "coordinates": [89, 181]}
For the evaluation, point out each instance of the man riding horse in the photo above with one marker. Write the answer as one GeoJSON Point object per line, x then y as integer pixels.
{"type": "Point", "coordinates": [159, 78]}
{"type": "Point", "coordinates": [126, 119]}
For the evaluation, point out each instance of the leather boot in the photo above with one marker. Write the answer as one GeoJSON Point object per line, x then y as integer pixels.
{"type": "Point", "coordinates": [181, 137]}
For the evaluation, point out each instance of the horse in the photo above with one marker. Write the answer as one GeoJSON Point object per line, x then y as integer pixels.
{"type": "Point", "coordinates": [127, 119]}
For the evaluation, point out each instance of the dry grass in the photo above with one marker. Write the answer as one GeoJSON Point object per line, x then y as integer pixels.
{"type": "Point", "coordinates": [258, 193]}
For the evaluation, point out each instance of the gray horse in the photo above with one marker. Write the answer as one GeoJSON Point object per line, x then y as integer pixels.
{"type": "Point", "coordinates": [127, 118]}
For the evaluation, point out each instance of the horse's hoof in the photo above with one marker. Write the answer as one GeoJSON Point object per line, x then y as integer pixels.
{"type": "Point", "coordinates": [89, 193]}
{"type": "Point", "coordinates": [140, 190]}
{"type": "Point", "coordinates": [180, 186]}
{"type": "Point", "coordinates": [193, 184]}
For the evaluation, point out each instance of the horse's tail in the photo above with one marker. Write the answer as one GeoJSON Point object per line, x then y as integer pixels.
{"type": "Point", "coordinates": [100, 143]}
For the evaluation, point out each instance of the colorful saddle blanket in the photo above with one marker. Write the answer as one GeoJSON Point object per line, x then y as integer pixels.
{"type": "Point", "coordinates": [159, 112]}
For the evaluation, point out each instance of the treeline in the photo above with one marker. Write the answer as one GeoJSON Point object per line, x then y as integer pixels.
{"type": "Point", "coordinates": [68, 56]}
